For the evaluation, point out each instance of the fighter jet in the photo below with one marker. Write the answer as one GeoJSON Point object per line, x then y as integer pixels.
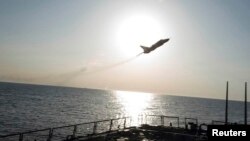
{"type": "Point", "coordinates": [154, 46]}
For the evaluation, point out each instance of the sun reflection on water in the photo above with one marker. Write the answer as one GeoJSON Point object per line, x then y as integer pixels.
{"type": "Point", "coordinates": [134, 103]}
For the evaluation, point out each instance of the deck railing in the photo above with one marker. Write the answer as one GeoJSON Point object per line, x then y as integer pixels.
{"type": "Point", "coordinates": [99, 127]}
{"type": "Point", "coordinates": [70, 131]}
{"type": "Point", "coordinates": [163, 120]}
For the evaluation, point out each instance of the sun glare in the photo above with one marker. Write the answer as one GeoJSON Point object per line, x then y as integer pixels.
{"type": "Point", "coordinates": [134, 103]}
{"type": "Point", "coordinates": [138, 30]}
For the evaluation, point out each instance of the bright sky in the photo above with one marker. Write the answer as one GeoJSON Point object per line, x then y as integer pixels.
{"type": "Point", "coordinates": [76, 43]}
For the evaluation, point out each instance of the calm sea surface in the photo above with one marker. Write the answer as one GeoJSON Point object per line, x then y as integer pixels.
{"type": "Point", "coordinates": [26, 107]}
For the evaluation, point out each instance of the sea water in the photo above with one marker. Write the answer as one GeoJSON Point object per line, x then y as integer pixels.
{"type": "Point", "coordinates": [28, 107]}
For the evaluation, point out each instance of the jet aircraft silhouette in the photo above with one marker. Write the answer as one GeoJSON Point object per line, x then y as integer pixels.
{"type": "Point", "coordinates": [154, 46]}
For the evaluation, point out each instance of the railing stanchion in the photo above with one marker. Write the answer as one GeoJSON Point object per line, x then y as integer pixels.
{"type": "Point", "coordinates": [50, 134]}
{"type": "Point", "coordinates": [130, 121]}
{"type": "Point", "coordinates": [141, 119]}
{"type": "Point", "coordinates": [111, 125]}
{"type": "Point", "coordinates": [74, 131]}
{"type": "Point", "coordinates": [21, 137]}
{"type": "Point", "coordinates": [178, 122]}
{"type": "Point", "coordinates": [94, 128]}
{"type": "Point", "coordinates": [162, 120]}
{"type": "Point", "coordinates": [124, 124]}
{"type": "Point", "coordinates": [186, 126]}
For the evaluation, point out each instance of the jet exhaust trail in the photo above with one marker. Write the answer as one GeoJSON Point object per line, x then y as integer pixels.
{"type": "Point", "coordinates": [104, 68]}
{"type": "Point", "coordinates": [84, 71]}
{"type": "Point", "coordinates": [117, 64]}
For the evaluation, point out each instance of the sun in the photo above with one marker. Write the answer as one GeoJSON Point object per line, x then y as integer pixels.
{"type": "Point", "coordinates": [138, 30]}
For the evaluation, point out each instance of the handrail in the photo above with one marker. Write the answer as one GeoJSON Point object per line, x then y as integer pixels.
{"type": "Point", "coordinates": [163, 117]}
{"type": "Point", "coordinates": [27, 132]}
{"type": "Point", "coordinates": [196, 120]}
{"type": "Point", "coordinates": [50, 130]}
{"type": "Point", "coordinates": [109, 128]}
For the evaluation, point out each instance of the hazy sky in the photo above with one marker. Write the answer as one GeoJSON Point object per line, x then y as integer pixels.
{"type": "Point", "coordinates": [80, 42]}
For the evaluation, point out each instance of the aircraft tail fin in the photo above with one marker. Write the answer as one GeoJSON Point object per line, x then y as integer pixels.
{"type": "Point", "coordinates": [145, 49]}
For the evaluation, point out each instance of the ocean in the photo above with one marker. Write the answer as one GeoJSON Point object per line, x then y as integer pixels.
{"type": "Point", "coordinates": [26, 107]}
